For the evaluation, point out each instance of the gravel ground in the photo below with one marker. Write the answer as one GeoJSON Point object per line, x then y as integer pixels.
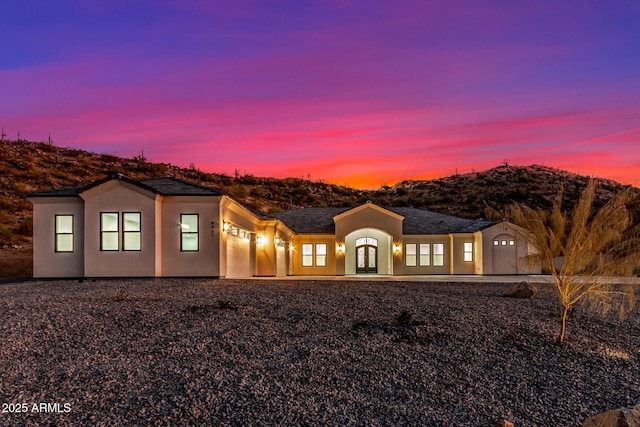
{"type": "Point", "coordinates": [209, 352]}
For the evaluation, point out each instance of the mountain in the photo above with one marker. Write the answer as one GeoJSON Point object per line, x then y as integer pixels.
{"type": "Point", "coordinates": [29, 166]}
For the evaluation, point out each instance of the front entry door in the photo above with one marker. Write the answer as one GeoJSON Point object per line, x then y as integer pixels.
{"type": "Point", "coordinates": [366, 259]}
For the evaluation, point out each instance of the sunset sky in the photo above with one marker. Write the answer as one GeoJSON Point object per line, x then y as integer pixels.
{"type": "Point", "coordinates": [362, 93]}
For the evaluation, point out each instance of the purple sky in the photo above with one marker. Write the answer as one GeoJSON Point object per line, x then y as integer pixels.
{"type": "Point", "coordinates": [362, 93]}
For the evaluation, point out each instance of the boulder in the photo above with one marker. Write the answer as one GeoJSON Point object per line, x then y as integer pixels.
{"type": "Point", "coordinates": [623, 417]}
{"type": "Point", "coordinates": [520, 290]}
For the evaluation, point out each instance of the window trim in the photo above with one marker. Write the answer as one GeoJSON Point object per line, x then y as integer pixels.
{"type": "Point", "coordinates": [197, 232]}
{"type": "Point", "coordinates": [304, 256]}
{"type": "Point", "coordinates": [428, 255]}
{"type": "Point", "coordinates": [317, 257]}
{"type": "Point", "coordinates": [125, 232]}
{"type": "Point", "coordinates": [467, 254]}
{"type": "Point", "coordinates": [434, 254]}
{"type": "Point", "coordinates": [58, 233]}
{"type": "Point", "coordinates": [117, 232]}
{"type": "Point", "coordinates": [414, 255]}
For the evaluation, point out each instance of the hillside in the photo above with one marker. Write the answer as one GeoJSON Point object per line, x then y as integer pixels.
{"type": "Point", "coordinates": [29, 166]}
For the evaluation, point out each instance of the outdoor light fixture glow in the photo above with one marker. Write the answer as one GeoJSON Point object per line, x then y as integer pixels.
{"type": "Point", "coordinates": [396, 248]}
{"type": "Point", "coordinates": [260, 240]}
{"type": "Point", "coordinates": [225, 226]}
{"type": "Point", "coordinates": [341, 248]}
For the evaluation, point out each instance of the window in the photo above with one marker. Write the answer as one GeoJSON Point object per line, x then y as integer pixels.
{"type": "Point", "coordinates": [307, 255]}
{"type": "Point", "coordinates": [468, 251]}
{"type": "Point", "coordinates": [64, 233]}
{"type": "Point", "coordinates": [109, 230]}
{"type": "Point", "coordinates": [234, 230]}
{"type": "Point", "coordinates": [131, 240]}
{"type": "Point", "coordinates": [512, 242]}
{"type": "Point", "coordinates": [189, 241]}
{"type": "Point", "coordinates": [496, 243]}
{"type": "Point", "coordinates": [410, 254]}
{"type": "Point", "coordinates": [425, 254]}
{"type": "Point", "coordinates": [438, 254]}
{"type": "Point", "coordinates": [321, 254]}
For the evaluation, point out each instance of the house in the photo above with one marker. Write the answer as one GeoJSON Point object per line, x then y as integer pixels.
{"type": "Point", "coordinates": [166, 227]}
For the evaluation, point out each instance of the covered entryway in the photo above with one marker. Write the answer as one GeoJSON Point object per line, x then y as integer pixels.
{"type": "Point", "coordinates": [368, 251]}
{"type": "Point", "coordinates": [367, 255]}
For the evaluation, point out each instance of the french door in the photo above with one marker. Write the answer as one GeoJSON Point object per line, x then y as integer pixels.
{"type": "Point", "coordinates": [366, 259]}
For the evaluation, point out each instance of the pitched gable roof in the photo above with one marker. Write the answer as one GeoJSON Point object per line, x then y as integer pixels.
{"type": "Point", "coordinates": [165, 186]}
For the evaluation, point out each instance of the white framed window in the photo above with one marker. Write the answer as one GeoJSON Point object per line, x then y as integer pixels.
{"type": "Point", "coordinates": [468, 251]}
{"type": "Point", "coordinates": [109, 231]}
{"type": "Point", "coordinates": [307, 255]}
{"type": "Point", "coordinates": [131, 231]}
{"type": "Point", "coordinates": [512, 242]}
{"type": "Point", "coordinates": [410, 254]}
{"type": "Point", "coordinates": [64, 233]}
{"type": "Point", "coordinates": [189, 233]}
{"type": "Point", "coordinates": [321, 254]}
{"type": "Point", "coordinates": [496, 243]}
{"type": "Point", "coordinates": [425, 254]}
{"type": "Point", "coordinates": [438, 254]}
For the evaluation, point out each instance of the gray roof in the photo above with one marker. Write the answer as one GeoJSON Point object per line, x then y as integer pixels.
{"type": "Point", "coordinates": [310, 220]}
{"type": "Point", "coordinates": [165, 186]}
{"type": "Point", "coordinates": [61, 192]}
{"type": "Point", "coordinates": [169, 186]}
{"type": "Point", "coordinates": [416, 221]}
{"type": "Point", "coordinates": [420, 221]}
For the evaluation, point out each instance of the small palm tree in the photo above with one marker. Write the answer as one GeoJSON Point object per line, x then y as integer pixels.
{"type": "Point", "coordinates": [584, 251]}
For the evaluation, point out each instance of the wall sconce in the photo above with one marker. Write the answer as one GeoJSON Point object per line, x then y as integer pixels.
{"type": "Point", "coordinates": [397, 247]}
{"type": "Point", "coordinates": [225, 226]}
{"type": "Point", "coordinates": [260, 240]}
{"type": "Point", "coordinates": [341, 248]}
{"type": "Point", "coordinates": [277, 240]}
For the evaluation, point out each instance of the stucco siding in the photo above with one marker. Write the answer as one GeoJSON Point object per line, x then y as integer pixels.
{"type": "Point", "coordinates": [119, 197]}
{"type": "Point", "coordinates": [504, 257]}
{"type": "Point", "coordinates": [296, 255]}
{"type": "Point", "coordinates": [46, 261]}
{"type": "Point", "coordinates": [205, 262]}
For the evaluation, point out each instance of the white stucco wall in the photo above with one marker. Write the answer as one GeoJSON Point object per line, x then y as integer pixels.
{"type": "Point", "coordinates": [46, 261]}
{"type": "Point", "coordinates": [119, 196]}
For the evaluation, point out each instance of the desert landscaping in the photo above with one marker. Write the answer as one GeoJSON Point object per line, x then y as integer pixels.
{"type": "Point", "coordinates": [314, 352]}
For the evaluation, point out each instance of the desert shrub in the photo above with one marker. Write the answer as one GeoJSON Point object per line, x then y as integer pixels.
{"type": "Point", "coordinates": [25, 228]}
{"type": "Point", "coordinates": [6, 235]}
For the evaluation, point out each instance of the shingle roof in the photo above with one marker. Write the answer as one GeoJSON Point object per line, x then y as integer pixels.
{"type": "Point", "coordinates": [165, 186]}
{"type": "Point", "coordinates": [61, 192]}
{"type": "Point", "coordinates": [420, 221]}
{"type": "Point", "coordinates": [169, 186]}
{"type": "Point", "coordinates": [310, 220]}
{"type": "Point", "coordinates": [416, 221]}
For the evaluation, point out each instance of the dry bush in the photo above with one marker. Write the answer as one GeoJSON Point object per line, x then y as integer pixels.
{"type": "Point", "coordinates": [583, 250]}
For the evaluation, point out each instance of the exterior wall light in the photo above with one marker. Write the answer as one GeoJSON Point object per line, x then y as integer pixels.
{"type": "Point", "coordinates": [260, 240]}
{"type": "Point", "coordinates": [225, 226]}
{"type": "Point", "coordinates": [341, 248]}
{"type": "Point", "coordinates": [397, 247]}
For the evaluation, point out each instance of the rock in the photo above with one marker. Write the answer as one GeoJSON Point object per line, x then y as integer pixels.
{"type": "Point", "coordinates": [623, 417]}
{"type": "Point", "coordinates": [521, 290]}
{"type": "Point", "coordinates": [504, 423]}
